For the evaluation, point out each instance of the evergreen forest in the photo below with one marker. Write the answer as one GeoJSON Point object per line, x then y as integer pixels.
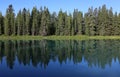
{"type": "Point", "coordinates": [99, 21]}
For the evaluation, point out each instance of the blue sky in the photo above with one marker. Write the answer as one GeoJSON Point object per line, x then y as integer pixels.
{"type": "Point", "coordinates": [55, 5]}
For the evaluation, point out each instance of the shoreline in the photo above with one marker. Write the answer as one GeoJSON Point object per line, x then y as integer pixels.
{"type": "Point", "coordinates": [77, 37]}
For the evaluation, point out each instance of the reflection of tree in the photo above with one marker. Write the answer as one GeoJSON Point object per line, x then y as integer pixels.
{"type": "Point", "coordinates": [102, 53]}
{"type": "Point", "coordinates": [10, 53]}
{"type": "Point", "coordinates": [95, 52]}
{"type": "Point", "coordinates": [1, 50]}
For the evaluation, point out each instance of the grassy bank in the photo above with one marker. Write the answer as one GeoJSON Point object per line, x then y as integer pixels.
{"type": "Point", "coordinates": [57, 37]}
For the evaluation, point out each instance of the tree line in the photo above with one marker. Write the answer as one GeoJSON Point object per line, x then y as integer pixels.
{"type": "Point", "coordinates": [97, 21]}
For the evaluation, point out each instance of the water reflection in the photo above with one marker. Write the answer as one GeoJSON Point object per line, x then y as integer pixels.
{"type": "Point", "coordinates": [97, 53]}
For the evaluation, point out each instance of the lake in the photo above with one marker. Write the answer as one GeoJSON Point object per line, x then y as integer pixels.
{"type": "Point", "coordinates": [60, 58]}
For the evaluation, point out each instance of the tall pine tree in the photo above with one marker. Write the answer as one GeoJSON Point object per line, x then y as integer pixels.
{"type": "Point", "coordinates": [9, 21]}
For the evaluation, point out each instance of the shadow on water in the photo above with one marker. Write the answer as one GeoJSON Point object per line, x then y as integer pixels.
{"type": "Point", "coordinates": [97, 53]}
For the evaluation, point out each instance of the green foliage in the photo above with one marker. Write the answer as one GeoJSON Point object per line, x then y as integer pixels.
{"type": "Point", "coordinates": [9, 21]}
{"type": "Point", "coordinates": [1, 24]}
{"type": "Point", "coordinates": [99, 21]}
{"type": "Point", "coordinates": [60, 26]}
{"type": "Point", "coordinates": [77, 22]}
{"type": "Point", "coordinates": [53, 24]}
{"type": "Point", "coordinates": [34, 21]}
{"type": "Point", "coordinates": [45, 22]}
{"type": "Point", "coordinates": [27, 23]}
{"type": "Point", "coordinates": [19, 23]}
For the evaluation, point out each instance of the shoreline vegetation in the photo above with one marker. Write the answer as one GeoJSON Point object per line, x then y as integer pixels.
{"type": "Point", "coordinates": [96, 22]}
{"type": "Point", "coordinates": [77, 37]}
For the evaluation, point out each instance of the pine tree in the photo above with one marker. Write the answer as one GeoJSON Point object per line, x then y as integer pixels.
{"type": "Point", "coordinates": [27, 23]}
{"type": "Point", "coordinates": [116, 24]}
{"type": "Point", "coordinates": [45, 22]}
{"type": "Point", "coordinates": [24, 21]}
{"type": "Point", "coordinates": [19, 23]}
{"type": "Point", "coordinates": [102, 20]}
{"type": "Point", "coordinates": [34, 21]}
{"type": "Point", "coordinates": [87, 22]}
{"type": "Point", "coordinates": [92, 25]}
{"type": "Point", "coordinates": [110, 28]}
{"type": "Point", "coordinates": [39, 21]}
{"type": "Point", "coordinates": [95, 14]}
{"type": "Point", "coordinates": [75, 26]}
{"type": "Point", "coordinates": [9, 21]}
{"type": "Point", "coordinates": [79, 23]}
{"type": "Point", "coordinates": [68, 24]}
{"type": "Point", "coordinates": [65, 25]}
{"type": "Point", "coordinates": [60, 26]}
{"type": "Point", "coordinates": [1, 24]}
{"type": "Point", "coordinates": [53, 24]}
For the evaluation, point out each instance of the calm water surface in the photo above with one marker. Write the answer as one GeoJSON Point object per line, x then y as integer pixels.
{"type": "Point", "coordinates": [68, 58]}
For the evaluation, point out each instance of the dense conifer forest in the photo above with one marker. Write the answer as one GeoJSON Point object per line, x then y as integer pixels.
{"type": "Point", "coordinates": [96, 22]}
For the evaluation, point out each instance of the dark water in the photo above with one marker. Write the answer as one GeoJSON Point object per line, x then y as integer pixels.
{"type": "Point", "coordinates": [68, 58]}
